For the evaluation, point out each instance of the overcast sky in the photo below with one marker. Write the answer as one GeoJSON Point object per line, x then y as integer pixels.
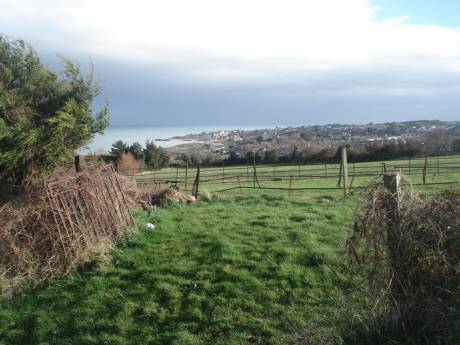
{"type": "Point", "coordinates": [250, 62]}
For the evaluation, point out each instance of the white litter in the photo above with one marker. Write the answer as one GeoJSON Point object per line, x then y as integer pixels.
{"type": "Point", "coordinates": [149, 226]}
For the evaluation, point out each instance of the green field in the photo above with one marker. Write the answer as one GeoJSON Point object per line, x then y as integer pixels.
{"type": "Point", "coordinates": [313, 177]}
{"type": "Point", "coordinates": [255, 268]}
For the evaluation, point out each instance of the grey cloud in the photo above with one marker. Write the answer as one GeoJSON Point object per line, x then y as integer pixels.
{"type": "Point", "coordinates": [157, 94]}
{"type": "Point", "coordinates": [151, 95]}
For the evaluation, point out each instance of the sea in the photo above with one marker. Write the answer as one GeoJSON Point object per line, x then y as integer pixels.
{"type": "Point", "coordinates": [103, 143]}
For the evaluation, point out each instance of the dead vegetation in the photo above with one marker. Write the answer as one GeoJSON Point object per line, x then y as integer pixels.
{"type": "Point", "coordinates": [148, 195]}
{"type": "Point", "coordinates": [410, 259]}
{"type": "Point", "coordinates": [59, 224]}
{"type": "Point", "coordinates": [128, 165]}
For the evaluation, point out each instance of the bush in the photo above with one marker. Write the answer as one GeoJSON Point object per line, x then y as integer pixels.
{"type": "Point", "coordinates": [411, 261]}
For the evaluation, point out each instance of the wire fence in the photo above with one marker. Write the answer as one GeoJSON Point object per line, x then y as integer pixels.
{"type": "Point", "coordinates": [429, 172]}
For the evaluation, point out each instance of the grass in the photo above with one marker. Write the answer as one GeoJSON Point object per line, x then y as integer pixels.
{"type": "Point", "coordinates": [254, 268]}
{"type": "Point", "coordinates": [439, 170]}
{"type": "Point", "coordinates": [238, 270]}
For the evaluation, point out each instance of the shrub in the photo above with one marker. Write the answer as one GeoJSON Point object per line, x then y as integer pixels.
{"type": "Point", "coordinates": [129, 165]}
{"type": "Point", "coordinates": [411, 261]}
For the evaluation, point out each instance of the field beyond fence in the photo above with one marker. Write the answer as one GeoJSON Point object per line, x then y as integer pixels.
{"type": "Point", "coordinates": [428, 172]}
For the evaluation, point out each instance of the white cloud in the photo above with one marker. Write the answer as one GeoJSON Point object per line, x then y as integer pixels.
{"type": "Point", "coordinates": [234, 38]}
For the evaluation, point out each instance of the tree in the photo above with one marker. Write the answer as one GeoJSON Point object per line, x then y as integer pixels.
{"type": "Point", "coordinates": [118, 148]}
{"type": "Point", "coordinates": [44, 116]}
{"type": "Point", "coordinates": [295, 155]}
{"type": "Point", "coordinates": [233, 157]}
{"type": "Point", "coordinates": [456, 145]}
{"type": "Point", "coordinates": [155, 156]}
{"type": "Point", "coordinates": [270, 156]}
{"type": "Point", "coordinates": [250, 156]}
{"type": "Point", "coordinates": [136, 150]}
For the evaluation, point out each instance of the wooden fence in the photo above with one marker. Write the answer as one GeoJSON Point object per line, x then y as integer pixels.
{"type": "Point", "coordinates": [87, 207]}
{"type": "Point", "coordinates": [345, 176]}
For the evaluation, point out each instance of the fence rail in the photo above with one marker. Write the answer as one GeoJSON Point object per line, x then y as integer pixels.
{"type": "Point", "coordinates": [428, 172]}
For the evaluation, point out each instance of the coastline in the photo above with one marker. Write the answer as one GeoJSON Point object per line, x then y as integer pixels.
{"type": "Point", "coordinates": [164, 136]}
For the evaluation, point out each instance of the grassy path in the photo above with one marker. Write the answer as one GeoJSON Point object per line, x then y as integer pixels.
{"type": "Point", "coordinates": [239, 270]}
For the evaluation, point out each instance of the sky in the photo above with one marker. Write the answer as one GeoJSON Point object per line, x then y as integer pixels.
{"type": "Point", "coordinates": [251, 62]}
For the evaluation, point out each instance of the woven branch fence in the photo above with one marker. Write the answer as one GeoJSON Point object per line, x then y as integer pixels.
{"type": "Point", "coordinates": [60, 224]}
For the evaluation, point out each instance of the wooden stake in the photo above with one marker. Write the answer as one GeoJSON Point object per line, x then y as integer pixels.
{"type": "Point", "coordinates": [437, 159]}
{"type": "Point", "coordinates": [123, 196]}
{"type": "Point", "coordinates": [392, 182]}
{"type": "Point", "coordinates": [239, 183]}
{"type": "Point", "coordinates": [54, 210]}
{"type": "Point", "coordinates": [223, 171]}
{"type": "Point", "coordinates": [186, 175]}
{"type": "Point", "coordinates": [290, 186]}
{"type": "Point", "coordinates": [344, 170]}
{"type": "Point", "coordinates": [424, 170]}
{"type": "Point", "coordinates": [254, 170]}
{"type": "Point", "coordinates": [395, 246]}
{"type": "Point", "coordinates": [196, 184]}
{"type": "Point", "coordinates": [78, 163]}
{"type": "Point", "coordinates": [339, 183]}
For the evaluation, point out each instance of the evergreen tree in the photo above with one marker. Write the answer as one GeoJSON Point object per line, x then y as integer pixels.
{"type": "Point", "coordinates": [44, 116]}
{"type": "Point", "coordinates": [136, 150]}
{"type": "Point", "coordinates": [155, 156]}
{"type": "Point", "coordinates": [118, 148]}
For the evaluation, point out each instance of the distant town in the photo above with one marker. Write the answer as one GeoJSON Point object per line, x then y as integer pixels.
{"type": "Point", "coordinates": [279, 142]}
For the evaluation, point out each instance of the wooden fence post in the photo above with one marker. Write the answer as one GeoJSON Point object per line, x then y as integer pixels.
{"type": "Point", "coordinates": [339, 183]}
{"type": "Point", "coordinates": [437, 159]}
{"type": "Point", "coordinates": [409, 167]}
{"type": "Point", "coordinates": [196, 184]}
{"type": "Point", "coordinates": [325, 169]}
{"type": "Point", "coordinates": [392, 182]}
{"type": "Point", "coordinates": [424, 170]}
{"type": "Point", "coordinates": [239, 184]}
{"type": "Point", "coordinates": [223, 171]}
{"type": "Point", "coordinates": [254, 170]}
{"type": "Point", "coordinates": [186, 175]}
{"type": "Point", "coordinates": [344, 170]}
{"type": "Point", "coordinates": [290, 186]}
{"type": "Point", "coordinates": [79, 161]}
